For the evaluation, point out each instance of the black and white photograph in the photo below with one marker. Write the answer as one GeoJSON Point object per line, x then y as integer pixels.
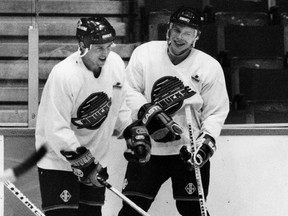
{"type": "Point", "coordinates": [143, 107]}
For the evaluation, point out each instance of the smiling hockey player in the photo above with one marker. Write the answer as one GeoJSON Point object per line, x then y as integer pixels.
{"type": "Point", "coordinates": [82, 104]}
{"type": "Point", "coordinates": [166, 76]}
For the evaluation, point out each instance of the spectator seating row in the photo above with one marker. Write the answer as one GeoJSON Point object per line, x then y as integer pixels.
{"type": "Point", "coordinates": [236, 39]}
{"type": "Point", "coordinates": [56, 23]}
{"type": "Point", "coordinates": [219, 5]}
{"type": "Point", "coordinates": [265, 94]}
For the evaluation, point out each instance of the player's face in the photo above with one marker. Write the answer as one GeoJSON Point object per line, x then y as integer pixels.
{"type": "Point", "coordinates": [182, 37]}
{"type": "Point", "coordinates": [97, 55]}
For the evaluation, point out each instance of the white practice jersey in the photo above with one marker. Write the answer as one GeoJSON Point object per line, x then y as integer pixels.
{"type": "Point", "coordinates": [201, 72]}
{"type": "Point", "coordinates": [77, 109]}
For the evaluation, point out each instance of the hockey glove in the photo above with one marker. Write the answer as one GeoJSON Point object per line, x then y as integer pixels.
{"type": "Point", "coordinates": [160, 126]}
{"type": "Point", "coordinates": [138, 143]}
{"type": "Point", "coordinates": [186, 156]}
{"type": "Point", "coordinates": [205, 150]}
{"type": "Point", "coordinates": [85, 167]}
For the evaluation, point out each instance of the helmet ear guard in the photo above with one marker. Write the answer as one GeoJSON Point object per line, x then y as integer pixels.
{"type": "Point", "coordinates": [197, 37]}
{"type": "Point", "coordinates": [168, 31]}
{"type": "Point", "coordinates": [83, 49]}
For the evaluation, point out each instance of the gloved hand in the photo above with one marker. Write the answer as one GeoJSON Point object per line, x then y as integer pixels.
{"type": "Point", "coordinates": [186, 156]}
{"type": "Point", "coordinates": [160, 126]}
{"type": "Point", "coordinates": [205, 150]}
{"type": "Point", "coordinates": [85, 167]}
{"type": "Point", "coordinates": [138, 143]}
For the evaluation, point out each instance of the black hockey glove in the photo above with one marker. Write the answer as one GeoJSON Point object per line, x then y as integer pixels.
{"type": "Point", "coordinates": [205, 150]}
{"type": "Point", "coordinates": [138, 143]}
{"type": "Point", "coordinates": [186, 156]}
{"type": "Point", "coordinates": [85, 167]}
{"type": "Point", "coordinates": [160, 126]}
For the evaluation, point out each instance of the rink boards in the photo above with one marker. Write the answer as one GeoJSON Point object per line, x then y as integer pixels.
{"type": "Point", "coordinates": [249, 175]}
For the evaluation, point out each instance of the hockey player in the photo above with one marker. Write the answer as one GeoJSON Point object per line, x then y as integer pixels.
{"type": "Point", "coordinates": [82, 104]}
{"type": "Point", "coordinates": [166, 76]}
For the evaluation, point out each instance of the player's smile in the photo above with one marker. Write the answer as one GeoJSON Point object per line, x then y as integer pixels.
{"type": "Point", "coordinates": [102, 60]}
{"type": "Point", "coordinates": [179, 43]}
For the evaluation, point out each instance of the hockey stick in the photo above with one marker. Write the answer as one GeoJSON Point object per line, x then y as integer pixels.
{"type": "Point", "coordinates": [23, 199]}
{"type": "Point", "coordinates": [11, 174]}
{"type": "Point", "coordinates": [123, 197]}
{"type": "Point", "coordinates": [196, 168]}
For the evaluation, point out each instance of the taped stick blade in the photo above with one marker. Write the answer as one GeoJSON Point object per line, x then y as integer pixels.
{"type": "Point", "coordinates": [30, 161]}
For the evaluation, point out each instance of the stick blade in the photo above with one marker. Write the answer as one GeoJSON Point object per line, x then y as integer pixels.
{"type": "Point", "coordinates": [30, 161]}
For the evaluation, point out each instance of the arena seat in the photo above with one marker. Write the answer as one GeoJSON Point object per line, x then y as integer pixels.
{"type": "Point", "coordinates": [239, 5]}
{"type": "Point", "coordinates": [254, 41]}
{"type": "Point", "coordinates": [282, 6]}
{"type": "Point", "coordinates": [224, 19]}
{"type": "Point", "coordinates": [247, 39]}
{"type": "Point", "coordinates": [265, 94]}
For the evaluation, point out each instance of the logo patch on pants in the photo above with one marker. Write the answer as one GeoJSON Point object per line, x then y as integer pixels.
{"type": "Point", "coordinates": [190, 188]}
{"type": "Point", "coordinates": [65, 196]}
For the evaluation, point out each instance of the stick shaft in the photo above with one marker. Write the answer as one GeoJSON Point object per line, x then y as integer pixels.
{"type": "Point", "coordinates": [128, 201]}
{"type": "Point", "coordinates": [196, 168]}
{"type": "Point", "coordinates": [23, 199]}
{"type": "Point", "coordinates": [123, 197]}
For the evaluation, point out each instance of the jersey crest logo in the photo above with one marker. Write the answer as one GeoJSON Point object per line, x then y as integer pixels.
{"type": "Point", "coordinates": [93, 111]}
{"type": "Point", "coordinates": [169, 93]}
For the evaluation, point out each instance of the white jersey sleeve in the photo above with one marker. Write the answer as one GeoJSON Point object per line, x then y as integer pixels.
{"type": "Point", "coordinates": [136, 82]}
{"type": "Point", "coordinates": [124, 114]}
{"type": "Point", "coordinates": [215, 105]}
{"type": "Point", "coordinates": [54, 114]}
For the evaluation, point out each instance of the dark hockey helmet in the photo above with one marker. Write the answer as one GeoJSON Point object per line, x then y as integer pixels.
{"type": "Point", "coordinates": [187, 16]}
{"type": "Point", "coordinates": [94, 30]}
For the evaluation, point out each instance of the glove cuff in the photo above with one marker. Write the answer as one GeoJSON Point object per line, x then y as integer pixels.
{"type": "Point", "coordinates": [147, 112]}
{"type": "Point", "coordinates": [127, 133]}
{"type": "Point", "coordinates": [210, 141]}
{"type": "Point", "coordinates": [84, 159]}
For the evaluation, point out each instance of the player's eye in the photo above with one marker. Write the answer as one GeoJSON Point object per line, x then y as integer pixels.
{"type": "Point", "coordinates": [176, 30]}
